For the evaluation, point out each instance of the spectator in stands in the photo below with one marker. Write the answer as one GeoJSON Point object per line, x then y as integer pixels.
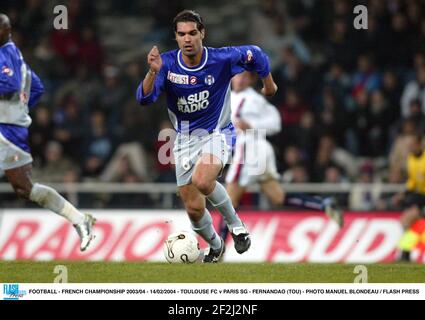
{"type": "Point", "coordinates": [330, 155]}
{"type": "Point", "coordinates": [296, 174]}
{"type": "Point", "coordinates": [69, 128]}
{"type": "Point", "coordinates": [339, 46]}
{"type": "Point", "coordinates": [392, 93]}
{"type": "Point", "coordinates": [414, 90]}
{"type": "Point", "coordinates": [365, 78]}
{"type": "Point", "coordinates": [56, 164]}
{"type": "Point", "coordinates": [331, 116]}
{"type": "Point", "coordinates": [337, 80]}
{"type": "Point", "coordinates": [129, 158]}
{"type": "Point", "coordinates": [399, 33]}
{"type": "Point", "coordinates": [90, 52]}
{"type": "Point", "coordinates": [65, 43]}
{"type": "Point", "coordinates": [292, 112]}
{"type": "Point", "coordinates": [334, 175]}
{"type": "Point", "coordinates": [361, 199]}
{"type": "Point", "coordinates": [98, 148]}
{"type": "Point", "coordinates": [41, 132]}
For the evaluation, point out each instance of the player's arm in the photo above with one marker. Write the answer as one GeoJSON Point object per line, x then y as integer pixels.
{"type": "Point", "coordinates": [37, 90]}
{"type": "Point", "coordinates": [252, 58]}
{"type": "Point", "coordinates": [269, 86]}
{"type": "Point", "coordinates": [153, 83]}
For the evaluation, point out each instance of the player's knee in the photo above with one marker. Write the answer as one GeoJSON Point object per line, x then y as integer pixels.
{"type": "Point", "coordinates": [204, 186]}
{"type": "Point", "coordinates": [278, 199]}
{"type": "Point", "coordinates": [22, 191]}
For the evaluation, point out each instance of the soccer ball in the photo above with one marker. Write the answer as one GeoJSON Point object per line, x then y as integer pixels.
{"type": "Point", "coordinates": [181, 247]}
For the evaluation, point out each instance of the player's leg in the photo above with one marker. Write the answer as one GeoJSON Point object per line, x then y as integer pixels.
{"type": "Point", "coordinates": [274, 192]}
{"type": "Point", "coordinates": [204, 178]}
{"type": "Point", "coordinates": [410, 237]}
{"type": "Point", "coordinates": [329, 205]}
{"type": "Point", "coordinates": [201, 220]}
{"type": "Point", "coordinates": [235, 192]}
{"type": "Point", "coordinates": [48, 198]}
{"type": "Point", "coordinates": [206, 171]}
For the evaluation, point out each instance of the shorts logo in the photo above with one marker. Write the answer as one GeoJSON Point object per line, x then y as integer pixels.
{"type": "Point", "coordinates": [193, 80]}
{"type": "Point", "coordinates": [7, 71]}
{"type": "Point", "coordinates": [209, 80]}
{"type": "Point", "coordinates": [177, 78]}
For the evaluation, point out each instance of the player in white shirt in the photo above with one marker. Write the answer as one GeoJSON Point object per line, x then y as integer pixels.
{"type": "Point", "coordinates": [254, 159]}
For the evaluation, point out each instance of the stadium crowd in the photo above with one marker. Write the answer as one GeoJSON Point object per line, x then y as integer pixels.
{"type": "Point", "coordinates": [349, 99]}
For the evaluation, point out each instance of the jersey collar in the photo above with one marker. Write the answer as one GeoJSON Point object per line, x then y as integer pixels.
{"type": "Point", "coordinates": [204, 60]}
{"type": "Point", "coordinates": [7, 44]}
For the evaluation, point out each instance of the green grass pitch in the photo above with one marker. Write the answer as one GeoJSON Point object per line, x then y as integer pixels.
{"type": "Point", "coordinates": [142, 272]}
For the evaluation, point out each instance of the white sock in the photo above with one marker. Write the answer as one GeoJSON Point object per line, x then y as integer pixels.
{"type": "Point", "coordinates": [49, 198]}
{"type": "Point", "coordinates": [220, 199]}
{"type": "Point", "coordinates": [206, 230]}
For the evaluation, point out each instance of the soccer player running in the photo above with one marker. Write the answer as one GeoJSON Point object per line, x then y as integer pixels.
{"type": "Point", "coordinates": [20, 89]}
{"type": "Point", "coordinates": [251, 112]}
{"type": "Point", "coordinates": [197, 82]}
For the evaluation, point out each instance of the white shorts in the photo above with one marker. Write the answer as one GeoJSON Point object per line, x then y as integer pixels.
{"type": "Point", "coordinates": [188, 149]}
{"type": "Point", "coordinates": [11, 156]}
{"type": "Point", "coordinates": [252, 163]}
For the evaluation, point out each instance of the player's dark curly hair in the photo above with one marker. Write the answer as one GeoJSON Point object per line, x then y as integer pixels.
{"type": "Point", "coordinates": [189, 16]}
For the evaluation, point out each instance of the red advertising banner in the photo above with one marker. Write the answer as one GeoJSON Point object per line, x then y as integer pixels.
{"type": "Point", "coordinates": [138, 235]}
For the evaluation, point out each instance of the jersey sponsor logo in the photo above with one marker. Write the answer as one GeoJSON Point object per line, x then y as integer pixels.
{"type": "Point", "coordinates": [193, 80]}
{"type": "Point", "coordinates": [209, 80]}
{"type": "Point", "coordinates": [7, 71]}
{"type": "Point", "coordinates": [177, 78]}
{"type": "Point", "coordinates": [194, 102]}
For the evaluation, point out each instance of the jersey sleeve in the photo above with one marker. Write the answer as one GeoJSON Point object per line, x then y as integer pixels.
{"type": "Point", "coordinates": [249, 58]}
{"type": "Point", "coordinates": [158, 88]}
{"type": "Point", "coordinates": [37, 90]}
